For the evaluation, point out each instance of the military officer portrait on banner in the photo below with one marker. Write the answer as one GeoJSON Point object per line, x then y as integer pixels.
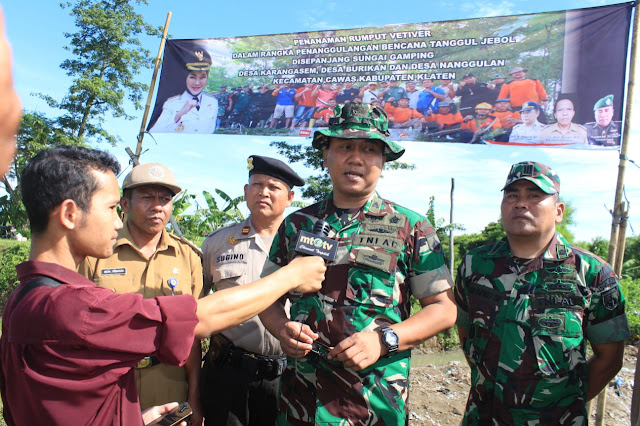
{"type": "Point", "coordinates": [193, 111]}
{"type": "Point", "coordinates": [150, 261]}
{"type": "Point", "coordinates": [604, 131]}
{"type": "Point", "coordinates": [348, 345]}
{"type": "Point", "coordinates": [527, 306]}
{"type": "Point", "coordinates": [242, 369]}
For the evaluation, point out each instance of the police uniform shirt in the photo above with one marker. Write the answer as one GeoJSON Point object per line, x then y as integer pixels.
{"type": "Point", "coordinates": [234, 256]}
{"type": "Point", "coordinates": [607, 136]}
{"type": "Point", "coordinates": [128, 270]}
{"type": "Point", "coordinates": [523, 134]}
{"type": "Point", "coordinates": [202, 120]}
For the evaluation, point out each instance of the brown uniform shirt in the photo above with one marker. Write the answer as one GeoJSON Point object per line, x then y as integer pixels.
{"type": "Point", "coordinates": [128, 270]}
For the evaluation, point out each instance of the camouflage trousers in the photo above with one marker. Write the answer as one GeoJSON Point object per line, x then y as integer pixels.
{"type": "Point", "coordinates": [320, 392]}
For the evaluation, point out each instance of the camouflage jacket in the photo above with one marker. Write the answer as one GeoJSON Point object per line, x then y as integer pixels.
{"type": "Point", "coordinates": [544, 310]}
{"type": "Point", "coordinates": [386, 253]}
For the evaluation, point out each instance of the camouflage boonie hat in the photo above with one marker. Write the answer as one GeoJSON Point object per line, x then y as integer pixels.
{"type": "Point", "coordinates": [358, 121]}
{"type": "Point", "coordinates": [543, 176]}
{"type": "Point", "coordinates": [607, 101]}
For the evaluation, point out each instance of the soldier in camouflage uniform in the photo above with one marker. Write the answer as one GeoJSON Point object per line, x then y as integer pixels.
{"type": "Point", "coordinates": [349, 344]}
{"type": "Point", "coordinates": [544, 299]}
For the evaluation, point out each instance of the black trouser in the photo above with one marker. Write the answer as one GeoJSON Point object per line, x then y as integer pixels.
{"type": "Point", "coordinates": [234, 396]}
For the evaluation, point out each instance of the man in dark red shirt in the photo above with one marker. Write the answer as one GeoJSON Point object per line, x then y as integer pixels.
{"type": "Point", "coordinates": [68, 346]}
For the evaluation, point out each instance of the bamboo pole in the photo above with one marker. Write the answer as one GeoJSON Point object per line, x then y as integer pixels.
{"type": "Point", "coordinates": [152, 86]}
{"type": "Point", "coordinates": [451, 251]}
{"type": "Point", "coordinates": [618, 204]}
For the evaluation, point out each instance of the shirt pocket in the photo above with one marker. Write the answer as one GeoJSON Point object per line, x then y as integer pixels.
{"type": "Point", "coordinates": [483, 311]}
{"type": "Point", "coordinates": [557, 340]}
{"type": "Point", "coordinates": [120, 283]}
{"type": "Point", "coordinates": [372, 278]}
{"type": "Point", "coordinates": [226, 276]}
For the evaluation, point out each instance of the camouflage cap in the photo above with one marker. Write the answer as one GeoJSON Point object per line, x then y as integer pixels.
{"type": "Point", "coordinates": [607, 101]}
{"type": "Point", "coordinates": [543, 176]}
{"type": "Point", "coordinates": [151, 174]}
{"type": "Point", "coordinates": [358, 121]}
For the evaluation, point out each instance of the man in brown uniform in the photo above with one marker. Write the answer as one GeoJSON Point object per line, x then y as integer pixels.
{"type": "Point", "coordinates": [241, 373]}
{"type": "Point", "coordinates": [150, 261]}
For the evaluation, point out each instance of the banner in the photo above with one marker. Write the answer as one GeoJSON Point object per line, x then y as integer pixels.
{"type": "Point", "coordinates": [548, 79]}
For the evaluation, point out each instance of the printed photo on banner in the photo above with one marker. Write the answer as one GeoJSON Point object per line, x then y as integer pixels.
{"type": "Point", "coordinates": [553, 79]}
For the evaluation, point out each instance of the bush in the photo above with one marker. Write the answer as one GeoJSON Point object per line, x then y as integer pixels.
{"type": "Point", "coordinates": [11, 254]}
{"type": "Point", "coordinates": [631, 291]}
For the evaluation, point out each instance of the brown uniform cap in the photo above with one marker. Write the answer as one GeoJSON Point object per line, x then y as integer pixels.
{"type": "Point", "coordinates": [151, 174]}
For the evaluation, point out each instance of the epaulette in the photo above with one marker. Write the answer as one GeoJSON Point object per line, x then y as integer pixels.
{"type": "Point", "coordinates": [211, 95]}
{"type": "Point", "coordinates": [174, 97]}
{"type": "Point", "coordinates": [186, 242]}
{"type": "Point", "coordinates": [215, 231]}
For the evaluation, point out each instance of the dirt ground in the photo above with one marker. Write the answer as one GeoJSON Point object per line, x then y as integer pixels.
{"type": "Point", "coordinates": [439, 391]}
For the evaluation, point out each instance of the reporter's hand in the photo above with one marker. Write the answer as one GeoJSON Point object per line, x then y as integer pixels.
{"type": "Point", "coordinates": [307, 273]}
{"type": "Point", "coordinates": [296, 339]}
{"type": "Point", "coordinates": [358, 351]}
{"type": "Point", "coordinates": [153, 413]}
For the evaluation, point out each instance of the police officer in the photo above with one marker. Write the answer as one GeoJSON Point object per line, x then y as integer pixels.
{"type": "Point", "coordinates": [527, 305]}
{"type": "Point", "coordinates": [241, 372]}
{"type": "Point", "coordinates": [194, 111]}
{"type": "Point", "coordinates": [604, 131]}
{"type": "Point", "coordinates": [150, 261]}
{"type": "Point", "coordinates": [358, 324]}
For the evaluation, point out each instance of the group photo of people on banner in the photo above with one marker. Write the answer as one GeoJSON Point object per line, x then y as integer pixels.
{"type": "Point", "coordinates": [550, 79]}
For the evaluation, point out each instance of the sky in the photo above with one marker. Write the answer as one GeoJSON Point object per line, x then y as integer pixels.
{"type": "Point", "coordinates": [36, 31]}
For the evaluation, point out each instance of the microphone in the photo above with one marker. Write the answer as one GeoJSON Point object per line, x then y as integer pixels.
{"type": "Point", "coordinates": [316, 242]}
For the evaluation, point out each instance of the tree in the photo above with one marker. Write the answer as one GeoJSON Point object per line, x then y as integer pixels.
{"type": "Point", "coordinates": [318, 187]}
{"type": "Point", "coordinates": [107, 57]}
{"type": "Point", "coordinates": [36, 133]}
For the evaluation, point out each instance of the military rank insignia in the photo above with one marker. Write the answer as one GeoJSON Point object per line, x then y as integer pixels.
{"type": "Point", "coordinates": [245, 230]}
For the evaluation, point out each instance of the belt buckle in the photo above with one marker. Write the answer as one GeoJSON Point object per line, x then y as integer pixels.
{"type": "Point", "coordinates": [144, 363]}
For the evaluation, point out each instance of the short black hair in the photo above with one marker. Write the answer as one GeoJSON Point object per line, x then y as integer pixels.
{"type": "Point", "coordinates": [60, 173]}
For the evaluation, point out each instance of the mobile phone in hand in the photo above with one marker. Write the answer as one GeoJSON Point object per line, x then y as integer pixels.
{"type": "Point", "coordinates": [173, 417]}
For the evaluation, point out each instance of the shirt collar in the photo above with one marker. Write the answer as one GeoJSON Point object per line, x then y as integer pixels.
{"type": "Point", "coordinates": [557, 250]}
{"type": "Point", "coordinates": [31, 269]}
{"type": "Point", "coordinates": [125, 238]}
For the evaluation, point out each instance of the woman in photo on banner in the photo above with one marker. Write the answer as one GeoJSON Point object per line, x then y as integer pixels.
{"type": "Point", "coordinates": [193, 111]}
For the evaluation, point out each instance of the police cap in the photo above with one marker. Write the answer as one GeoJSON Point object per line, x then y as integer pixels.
{"type": "Point", "coordinates": [258, 164]}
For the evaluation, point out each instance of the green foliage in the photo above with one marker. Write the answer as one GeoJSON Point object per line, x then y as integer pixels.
{"type": "Point", "coordinates": [631, 290]}
{"type": "Point", "coordinates": [107, 55]}
{"type": "Point", "coordinates": [205, 220]}
{"type": "Point", "coordinates": [567, 221]}
{"type": "Point", "coordinates": [12, 253]}
{"type": "Point", "coordinates": [36, 133]}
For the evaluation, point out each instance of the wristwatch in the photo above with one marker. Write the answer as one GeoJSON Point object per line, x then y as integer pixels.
{"type": "Point", "coordinates": [389, 339]}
